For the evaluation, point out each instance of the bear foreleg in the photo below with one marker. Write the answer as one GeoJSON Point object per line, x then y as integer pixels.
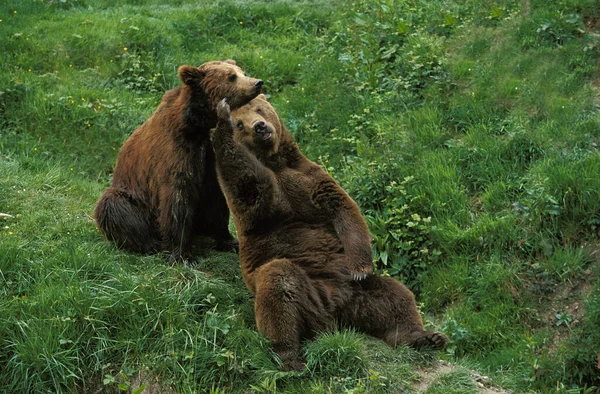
{"type": "Point", "coordinates": [242, 177]}
{"type": "Point", "coordinates": [349, 225]}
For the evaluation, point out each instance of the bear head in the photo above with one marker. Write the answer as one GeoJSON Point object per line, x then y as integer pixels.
{"type": "Point", "coordinates": [258, 127]}
{"type": "Point", "coordinates": [221, 80]}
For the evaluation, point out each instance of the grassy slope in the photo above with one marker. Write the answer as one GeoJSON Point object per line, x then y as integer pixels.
{"type": "Point", "coordinates": [467, 133]}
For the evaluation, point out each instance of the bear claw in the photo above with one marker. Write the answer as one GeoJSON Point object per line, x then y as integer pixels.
{"type": "Point", "coordinates": [223, 110]}
{"type": "Point", "coordinates": [362, 273]}
{"type": "Point", "coordinates": [359, 276]}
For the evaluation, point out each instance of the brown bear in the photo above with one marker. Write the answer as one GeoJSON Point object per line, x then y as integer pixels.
{"type": "Point", "coordinates": [164, 189]}
{"type": "Point", "coordinates": [304, 246]}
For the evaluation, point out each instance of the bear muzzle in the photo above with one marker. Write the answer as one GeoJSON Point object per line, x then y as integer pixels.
{"type": "Point", "coordinates": [262, 130]}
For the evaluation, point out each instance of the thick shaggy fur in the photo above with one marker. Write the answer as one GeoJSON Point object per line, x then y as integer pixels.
{"type": "Point", "coordinates": [304, 246]}
{"type": "Point", "coordinates": [164, 189]}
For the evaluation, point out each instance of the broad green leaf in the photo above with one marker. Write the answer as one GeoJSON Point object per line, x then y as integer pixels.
{"type": "Point", "coordinates": [497, 12]}
{"type": "Point", "coordinates": [403, 28]}
{"type": "Point", "coordinates": [449, 20]}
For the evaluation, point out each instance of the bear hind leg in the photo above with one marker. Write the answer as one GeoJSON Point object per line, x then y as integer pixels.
{"type": "Point", "coordinates": [386, 309]}
{"type": "Point", "coordinates": [126, 221]}
{"type": "Point", "coordinates": [288, 310]}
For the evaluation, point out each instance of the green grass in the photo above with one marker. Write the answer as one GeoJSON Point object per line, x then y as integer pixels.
{"type": "Point", "coordinates": [467, 131]}
{"type": "Point", "coordinates": [455, 382]}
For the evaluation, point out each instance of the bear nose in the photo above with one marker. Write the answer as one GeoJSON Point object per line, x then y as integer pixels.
{"type": "Point", "coordinates": [258, 84]}
{"type": "Point", "coordinates": [260, 127]}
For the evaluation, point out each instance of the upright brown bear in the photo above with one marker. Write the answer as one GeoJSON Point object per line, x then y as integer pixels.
{"type": "Point", "coordinates": [164, 189]}
{"type": "Point", "coordinates": [304, 247]}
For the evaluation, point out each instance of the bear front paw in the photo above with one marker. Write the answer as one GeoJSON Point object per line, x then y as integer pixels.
{"type": "Point", "coordinates": [361, 270]}
{"type": "Point", "coordinates": [362, 273]}
{"type": "Point", "coordinates": [223, 110]}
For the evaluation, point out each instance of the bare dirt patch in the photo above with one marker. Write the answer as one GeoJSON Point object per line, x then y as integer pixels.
{"type": "Point", "coordinates": [151, 384]}
{"type": "Point", "coordinates": [431, 374]}
{"type": "Point", "coordinates": [526, 7]}
{"type": "Point", "coordinates": [592, 25]}
{"type": "Point", "coordinates": [566, 305]}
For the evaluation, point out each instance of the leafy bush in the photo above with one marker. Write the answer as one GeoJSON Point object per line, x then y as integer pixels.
{"type": "Point", "coordinates": [136, 75]}
{"type": "Point", "coordinates": [392, 56]}
{"type": "Point", "coordinates": [402, 245]}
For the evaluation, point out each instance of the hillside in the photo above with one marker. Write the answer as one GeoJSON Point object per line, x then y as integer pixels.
{"type": "Point", "coordinates": [467, 131]}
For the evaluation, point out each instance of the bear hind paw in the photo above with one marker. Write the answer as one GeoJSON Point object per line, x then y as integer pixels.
{"type": "Point", "coordinates": [430, 340]}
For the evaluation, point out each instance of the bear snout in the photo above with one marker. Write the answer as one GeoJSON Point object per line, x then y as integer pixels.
{"type": "Point", "coordinates": [260, 127]}
{"type": "Point", "coordinates": [258, 84]}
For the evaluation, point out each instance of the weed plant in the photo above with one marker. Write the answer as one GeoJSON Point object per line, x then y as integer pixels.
{"type": "Point", "coordinates": [467, 131]}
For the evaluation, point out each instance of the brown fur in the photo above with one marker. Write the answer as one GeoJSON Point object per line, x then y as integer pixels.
{"type": "Point", "coordinates": [164, 189]}
{"type": "Point", "coordinates": [304, 247]}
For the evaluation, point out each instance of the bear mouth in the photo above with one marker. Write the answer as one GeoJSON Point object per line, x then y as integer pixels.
{"type": "Point", "coordinates": [267, 136]}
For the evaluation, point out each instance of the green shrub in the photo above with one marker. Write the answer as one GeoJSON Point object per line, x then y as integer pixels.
{"type": "Point", "coordinates": [402, 245]}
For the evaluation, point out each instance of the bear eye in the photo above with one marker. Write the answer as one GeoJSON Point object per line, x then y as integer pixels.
{"type": "Point", "coordinates": [232, 77]}
{"type": "Point", "coordinates": [259, 111]}
{"type": "Point", "coordinates": [240, 125]}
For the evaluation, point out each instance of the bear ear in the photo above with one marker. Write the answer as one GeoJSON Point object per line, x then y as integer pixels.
{"type": "Point", "coordinates": [231, 61]}
{"type": "Point", "coordinates": [190, 75]}
{"type": "Point", "coordinates": [262, 96]}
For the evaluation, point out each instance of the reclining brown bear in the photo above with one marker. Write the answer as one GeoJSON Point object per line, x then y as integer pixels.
{"type": "Point", "coordinates": [164, 190]}
{"type": "Point", "coordinates": [304, 247]}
